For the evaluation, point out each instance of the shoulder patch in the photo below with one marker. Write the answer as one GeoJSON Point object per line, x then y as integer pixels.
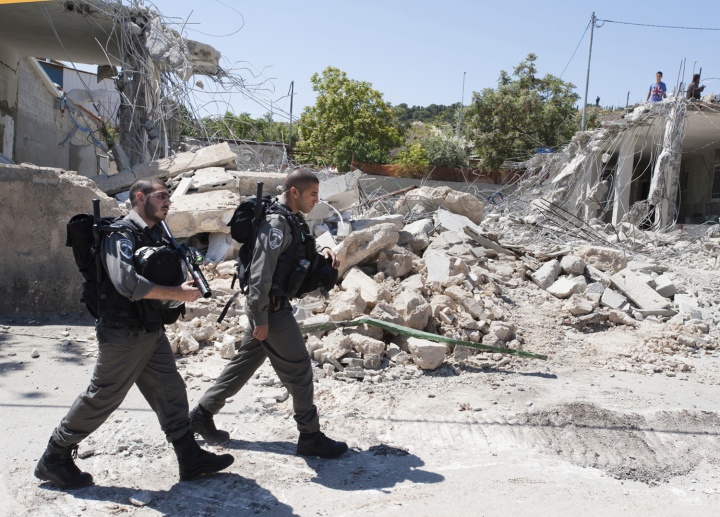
{"type": "Point", "coordinates": [276, 238]}
{"type": "Point", "coordinates": [126, 248]}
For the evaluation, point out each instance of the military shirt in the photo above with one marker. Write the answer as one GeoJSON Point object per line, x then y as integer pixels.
{"type": "Point", "coordinates": [117, 256]}
{"type": "Point", "coordinates": [274, 237]}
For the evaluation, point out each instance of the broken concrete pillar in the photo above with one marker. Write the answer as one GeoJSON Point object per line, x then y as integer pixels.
{"type": "Point", "coordinates": [623, 177]}
{"type": "Point", "coordinates": [427, 355]}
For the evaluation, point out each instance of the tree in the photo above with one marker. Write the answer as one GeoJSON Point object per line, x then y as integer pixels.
{"type": "Point", "coordinates": [349, 119]}
{"type": "Point", "coordinates": [524, 113]}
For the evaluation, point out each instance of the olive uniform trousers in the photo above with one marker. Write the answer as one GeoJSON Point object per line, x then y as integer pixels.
{"type": "Point", "coordinates": [127, 357]}
{"type": "Point", "coordinates": [285, 347]}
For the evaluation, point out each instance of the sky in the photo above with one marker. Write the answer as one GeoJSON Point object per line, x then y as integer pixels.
{"type": "Point", "coordinates": [440, 52]}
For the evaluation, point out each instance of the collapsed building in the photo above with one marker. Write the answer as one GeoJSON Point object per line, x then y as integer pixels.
{"type": "Point", "coordinates": [589, 225]}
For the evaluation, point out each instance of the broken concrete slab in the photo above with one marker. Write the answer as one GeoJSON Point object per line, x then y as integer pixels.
{"type": "Point", "coordinates": [415, 236]}
{"type": "Point", "coordinates": [604, 259]}
{"type": "Point", "coordinates": [214, 178]}
{"type": "Point", "coordinates": [637, 291]}
{"type": "Point", "coordinates": [363, 224]}
{"type": "Point", "coordinates": [199, 213]}
{"type": "Point", "coordinates": [612, 299]}
{"type": "Point", "coordinates": [221, 247]}
{"type": "Point", "coordinates": [181, 189]}
{"type": "Point", "coordinates": [346, 305]}
{"type": "Point", "coordinates": [247, 182]}
{"type": "Point", "coordinates": [217, 155]}
{"type": "Point", "coordinates": [461, 203]}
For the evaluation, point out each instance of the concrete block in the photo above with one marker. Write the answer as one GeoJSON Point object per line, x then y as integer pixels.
{"type": "Point", "coordinates": [427, 355]}
{"type": "Point", "coordinates": [395, 262]}
{"type": "Point", "coordinates": [595, 288]}
{"type": "Point", "coordinates": [688, 307]}
{"type": "Point", "coordinates": [438, 268]}
{"type": "Point", "coordinates": [665, 287]}
{"type": "Point", "coordinates": [206, 212]}
{"type": "Point", "coordinates": [572, 265]}
{"type": "Point", "coordinates": [563, 288]}
{"type": "Point", "coordinates": [369, 288]}
{"type": "Point", "coordinates": [547, 274]}
{"type": "Point", "coordinates": [604, 259]}
{"type": "Point", "coordinates": [347, 305]}
{"type": "Point", "coordinates": [637, 291]}
{"type": "Point", "coordinates": [221, 247]}
{"type": "Point", "coordinates": [181, 189]}
{"type": "Point", "coordinates": [413, 309]}
{"type": "Point", "coordinates": [457, 202]}
{"type": "Point", "coordinates": [359, 246]}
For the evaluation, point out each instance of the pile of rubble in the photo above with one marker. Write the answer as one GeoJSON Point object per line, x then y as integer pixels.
{"type": "Point", "coordinates": [431, 267]}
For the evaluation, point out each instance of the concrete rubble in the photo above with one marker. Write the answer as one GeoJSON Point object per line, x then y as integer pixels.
{"type": "Point", "coordinates": [441, 265]}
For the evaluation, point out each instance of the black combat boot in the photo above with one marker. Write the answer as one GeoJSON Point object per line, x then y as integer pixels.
{"type": "Point", "coordinates": [58, 467]}
{"type": "Point", "coordinates": [317, 444]}
{"type": "Point", "coordinates": [194, 461]}
{"type": "Point", "coordinates": [201, 422]}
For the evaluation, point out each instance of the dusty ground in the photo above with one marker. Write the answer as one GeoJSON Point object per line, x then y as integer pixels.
{"type": "Point", "coordinates": [588, 432]}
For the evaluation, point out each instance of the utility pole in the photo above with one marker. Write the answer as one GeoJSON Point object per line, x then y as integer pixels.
{"type": "Point", "coordinates": [292, 93]}
{"type": "Point", "coordinates": [587, 77]}
{"type": "Point", "coordinates": [462, 106]}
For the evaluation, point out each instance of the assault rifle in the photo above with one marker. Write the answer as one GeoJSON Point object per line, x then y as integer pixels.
{"type": "Point", "coordinates": [192, 260]}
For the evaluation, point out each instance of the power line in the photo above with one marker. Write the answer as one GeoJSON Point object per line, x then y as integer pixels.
{"type": "Point", "coordinates": [576, 49]}
{"type": "Point", "coordinates": [661, 26]}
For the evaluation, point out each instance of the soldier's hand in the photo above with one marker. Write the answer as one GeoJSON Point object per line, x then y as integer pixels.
{"type": "Point", "coordinates": [187, 292]}
{"type": "Point", "coordinates": [330, 255]}
{"type": "Point", "coordinates": [260, 332]}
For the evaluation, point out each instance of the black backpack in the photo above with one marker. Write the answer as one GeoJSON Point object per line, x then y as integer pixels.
{"type": "Point", "coordinates": [85, 246]}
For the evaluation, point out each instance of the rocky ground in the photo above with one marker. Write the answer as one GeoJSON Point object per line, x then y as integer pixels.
{"type": "Point", "coordinates": [621, 419]}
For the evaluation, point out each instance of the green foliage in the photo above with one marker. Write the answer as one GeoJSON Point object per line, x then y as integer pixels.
{"type": "Point", "coordinates": [437, 114]}
{"type": "Point", "coordinates": [244, 127]}
{"type": "Point", "coordinates": [446, 150]}
{"type": "Point", "coordinates": [349, 119]}
{"type": "Point", "coordinates": [524, 112]}
{"type": "Point", "coordinates": [412, 160]}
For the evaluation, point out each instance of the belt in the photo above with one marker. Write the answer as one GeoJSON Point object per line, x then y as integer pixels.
{"type": "Point", "coordinates": [120, 325]}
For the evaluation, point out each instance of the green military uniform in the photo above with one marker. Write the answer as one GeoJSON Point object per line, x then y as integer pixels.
{"type": "Point", "coordinates": [284, 345]}
{"type": "Point", "coordinates": [132, 346]}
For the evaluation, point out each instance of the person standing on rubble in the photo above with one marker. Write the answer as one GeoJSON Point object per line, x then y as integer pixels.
{"type": "Point", "coordinates": [694, 88]}
{"type": "Point", "coordinates": [272, 331]}
{"type": "Point", "coordinates": [657, 91]}
{"type": "Point", "coordinates": [132, 349]}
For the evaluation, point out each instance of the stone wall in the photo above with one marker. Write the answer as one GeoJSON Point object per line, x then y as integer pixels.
{"type": "Point", "coordinates": [38, 270]}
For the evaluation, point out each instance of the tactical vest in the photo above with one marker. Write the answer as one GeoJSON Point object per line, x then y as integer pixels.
{"type": "Point", "coordinates": [293, 263]}
{"type": "Point", "coordinates": [117, 310]}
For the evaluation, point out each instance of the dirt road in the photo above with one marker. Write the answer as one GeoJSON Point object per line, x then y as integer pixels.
{"type": "Point", "coordinates": [583, 433]}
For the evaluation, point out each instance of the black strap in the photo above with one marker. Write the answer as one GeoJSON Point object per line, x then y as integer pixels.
{"type": "Point", "coordinates": [227, 306]}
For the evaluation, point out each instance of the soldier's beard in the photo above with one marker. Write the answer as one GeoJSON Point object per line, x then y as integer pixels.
{"type": "Point", "coordinates": [155, 214]}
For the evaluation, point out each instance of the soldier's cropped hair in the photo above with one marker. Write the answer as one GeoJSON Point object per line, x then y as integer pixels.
{"type": "Point", "coordinates": [146, 186]}
{"type": "Point", "coordinates": [300, 179]}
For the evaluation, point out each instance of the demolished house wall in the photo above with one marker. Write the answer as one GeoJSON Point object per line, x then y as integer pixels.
{"type": "Point", "coordinates": [46, 128]}
{"type": "Point", "coordinates": [39, 270]}
{"type": "Point", "coordinates": [9, 64]}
